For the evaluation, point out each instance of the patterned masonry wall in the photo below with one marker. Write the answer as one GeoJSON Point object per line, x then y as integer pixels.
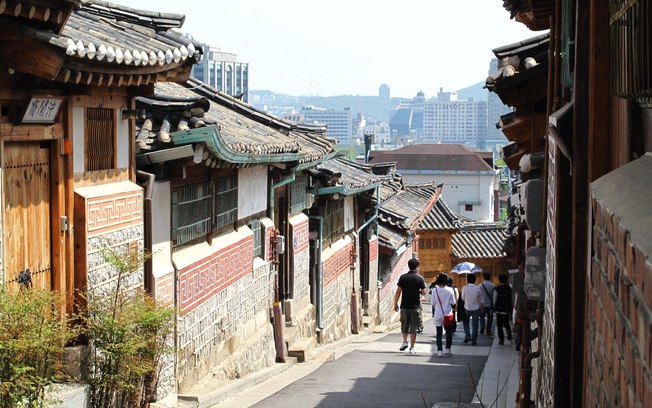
{"type": "Point", "coordinates": [224, 323]}
{"type": "Point", "coordinates": [302, 314]}
{"type": "Point", "coordinates": [113, 221]}
{"type": "Point", "coordinates": [372, 304]}
{"type": "Point", "coordinates": [618, 357]}
{"type": "Point", "coordinates": [543, 386]}
{"type": "Point", "coordinates": [386, 312]}
{"type": "Point", "coordinates": [337, 291]}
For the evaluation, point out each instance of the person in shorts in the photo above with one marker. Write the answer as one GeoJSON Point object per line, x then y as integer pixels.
{"type": "Point", "coordinates": [409, 289]}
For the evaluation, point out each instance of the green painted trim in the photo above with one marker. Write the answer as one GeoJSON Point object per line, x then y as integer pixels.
{"type": "Point", "coordinates": [210, 135]}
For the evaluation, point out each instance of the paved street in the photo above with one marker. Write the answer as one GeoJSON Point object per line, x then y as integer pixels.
{"type": "Point", "coordinates": [372, 372]}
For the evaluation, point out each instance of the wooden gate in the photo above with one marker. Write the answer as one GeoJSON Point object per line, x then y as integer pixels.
{"type": "Point", "coordinates": [26, 217]}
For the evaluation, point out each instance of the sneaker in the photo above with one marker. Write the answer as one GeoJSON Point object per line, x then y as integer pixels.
{"type": "Point", "coordinates": [440, 353]}
{"type": "Point", "coordinates": [466, 340]}
{"type": "Point", "coordinates": [403, 346]}
{"type": "Point", "coordinates": [448, 353]}
{"type": "Point", "coordinates": [412, 351]}
{"type": "Point", "coordinates": [473, 343]}
{"type": "Point", "coordinates": [501, 342]}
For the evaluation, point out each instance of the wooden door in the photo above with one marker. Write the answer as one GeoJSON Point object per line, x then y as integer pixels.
{"type": "Point", "coordinates": [26, 216]}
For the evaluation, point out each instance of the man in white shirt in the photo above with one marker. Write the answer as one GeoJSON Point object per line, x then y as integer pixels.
{"type": "Point", "coordinates": [472, 297]}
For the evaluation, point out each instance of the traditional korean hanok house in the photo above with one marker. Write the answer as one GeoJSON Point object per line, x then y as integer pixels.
{"type": "Point", "coordinates": [402, 208]}
{"type": "Point", "coordinates": [436, 232]}
{"type": "Point", "coordinates": [344, 261]}
{"type": "Point", "coordinates": [481, 243]}
{"type": "Point", "coordinates": [69, 72]}
{"type": "Point", "coordinates": [224, 196]}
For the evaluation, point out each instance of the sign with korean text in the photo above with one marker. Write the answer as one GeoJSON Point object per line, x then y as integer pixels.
{"type": "Point", "coordinates": [42, 110]}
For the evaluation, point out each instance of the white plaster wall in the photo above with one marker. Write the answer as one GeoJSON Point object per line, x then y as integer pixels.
{"type": "Point", "coordinates": [78, 139]}
{"type": "Point", "coordinates": [124, 139]}
{"type": "Point", "coordinates": [161, 240]}
{"type": "Point", "coordinates": [460, 189]}
{"type": "Point", "coordinates": [252, 190]}
{"type": "Point", "coordinates": [349, 218]}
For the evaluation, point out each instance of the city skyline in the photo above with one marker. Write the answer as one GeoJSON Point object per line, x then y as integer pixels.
{"type": "Point", "coordinates": [292, 51]}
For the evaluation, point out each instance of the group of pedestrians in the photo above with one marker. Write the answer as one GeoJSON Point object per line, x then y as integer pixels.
{"type": "Point", "coordinates": [474, 307]}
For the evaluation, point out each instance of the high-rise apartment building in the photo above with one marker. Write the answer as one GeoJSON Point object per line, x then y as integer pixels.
{"type": "Point", "coordinates": [383, 91]}
{"type": "Point", "coordinates": [496, 108]}
{"type": "Point", "coordinates": [222, 71]}
{"type": "Point", "coordinates": [339, 122]}
{"type": "Point", "coordinates": [449, 120]}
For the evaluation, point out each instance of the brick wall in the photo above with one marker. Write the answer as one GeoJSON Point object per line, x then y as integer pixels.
{"type": "Point", "coordinates": [618, 356]}
{"type": "Point", "coordinates": [337, 291]}
{"type": "Point", "coordinates": [386, 313]}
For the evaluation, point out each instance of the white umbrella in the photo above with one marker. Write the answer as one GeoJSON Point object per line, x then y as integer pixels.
{"type": "Point", "coordinates": [466, 267]}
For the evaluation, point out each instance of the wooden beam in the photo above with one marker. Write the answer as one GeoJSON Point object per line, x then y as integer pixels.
{"type": "Point", "coordinates": [11, 132]}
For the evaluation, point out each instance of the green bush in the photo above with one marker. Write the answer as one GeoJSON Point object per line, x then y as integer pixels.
{"type": "Point", "coordinates": [32, 337]}
{"type": "Point", "coordinates": [128, 333]}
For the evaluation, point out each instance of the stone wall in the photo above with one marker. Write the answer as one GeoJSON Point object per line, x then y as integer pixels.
{"type": "Point", "coordinates": [618, 356]}
{"type": "Point", "coordinates": [337, 290]}
{"type": "Point", "coordinates": [224, 300]}
{"type": "Point", "coordinates": [386, 313]}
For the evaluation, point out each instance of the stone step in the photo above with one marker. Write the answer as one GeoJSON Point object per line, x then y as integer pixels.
{"type": "Point", "coordinates": [302, 349]}
{"type": "Point", "coordinates": [290, 335]}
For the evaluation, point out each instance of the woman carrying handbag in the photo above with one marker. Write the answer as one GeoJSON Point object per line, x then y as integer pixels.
{"type": "Point", "coordinates": [443, 299]}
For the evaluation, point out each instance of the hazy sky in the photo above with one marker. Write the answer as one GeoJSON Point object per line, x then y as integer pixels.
{"type": "Point", "coordinates": [351, 47]}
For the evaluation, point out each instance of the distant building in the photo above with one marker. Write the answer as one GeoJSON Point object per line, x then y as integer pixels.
{"type": "Point", "coordinates": [407, 118]}
{"type": "Point", "coordinates": [449, 120]}
{"type": "Point", "coordinates": [339, 122]}
{"type": "Point", "coordinates": [222, 71]}
{"type": "Point", "coordinates": [383, 91]}
{"type": "Point", "coordinates": [469, 181]}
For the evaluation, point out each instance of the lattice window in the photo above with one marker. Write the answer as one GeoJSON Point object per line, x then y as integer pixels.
{"type": "Point", "coordinates": [333, 221]}
{"type": "Point", "coordinates": [257, 228]}
{"type": "Point", "coordinates": [100, 139]}
{"type": "Point", "coordinates": [226, 201]}
{"type": "Point", "coordinates": [631, 33]}
{"type": "Point", "coordinates": [191, 215]}
{"type": "Point", "coordinates": [298, 194]}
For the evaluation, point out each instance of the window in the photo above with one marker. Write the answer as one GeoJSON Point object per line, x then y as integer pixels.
{"type": "Point", "coordinates": [257, 228]}
{"type": "Point", "coordinates": [203, 206]}
{"type": "Point", "coordinates": [333, 221]}
{"type": "Point", "coordinates": [226, 201]}
{"type": "Point", "coordinates": [298, 194]}
{"type": "Point", "coordinates": [190, 212]}
{"type": "Point", "coordinates": [468, 207]}
{"type": "Point", "coordinates": [100, 139]}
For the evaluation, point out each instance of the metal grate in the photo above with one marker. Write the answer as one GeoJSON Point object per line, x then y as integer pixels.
{"type": "Point", "coordinates": [100, 139]}
{"type": "Point", "coordinates": [257, 228]}
{"type": "Point", "coordinates": [190, 212]}
{"type": "Point", "coordinates": [298, 194]}
{"type": "Point", "coordinates": [631, 54]}
{"type": "Point", "coordinates": [226, 201]}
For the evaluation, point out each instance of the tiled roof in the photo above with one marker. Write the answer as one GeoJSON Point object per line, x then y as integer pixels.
{"type": "Point", "coordinates": [521, 77]}
{"type": "Point", "coordinates": [479, 240]}
{"type": "Point", "coordinates": [390, 239]}
{"type": "Point", "coordinates": [47, 14]}
{"type": "Point", "coordinates": [235, 131]}
{"type": "Point", "coordinates": [440, 217]}
{"type": "Point", "coordinates": [434, 157]}
{"type": "Point", "coordinates": [350, 175]}
{"type": "Point", "coordinates": [407, 207]}
{"type": "Point", "coordinates": [106, 44]}
{"type": "Point", "coordinates": [535, 14]}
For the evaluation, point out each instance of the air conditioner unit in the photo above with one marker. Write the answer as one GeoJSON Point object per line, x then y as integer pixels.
{"type": "Point", "coordinates": [516, 280]}
{"type": "Point", "coordinates": [532, 203]}
{"type": "Point", "coordinates": [535, 274]}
